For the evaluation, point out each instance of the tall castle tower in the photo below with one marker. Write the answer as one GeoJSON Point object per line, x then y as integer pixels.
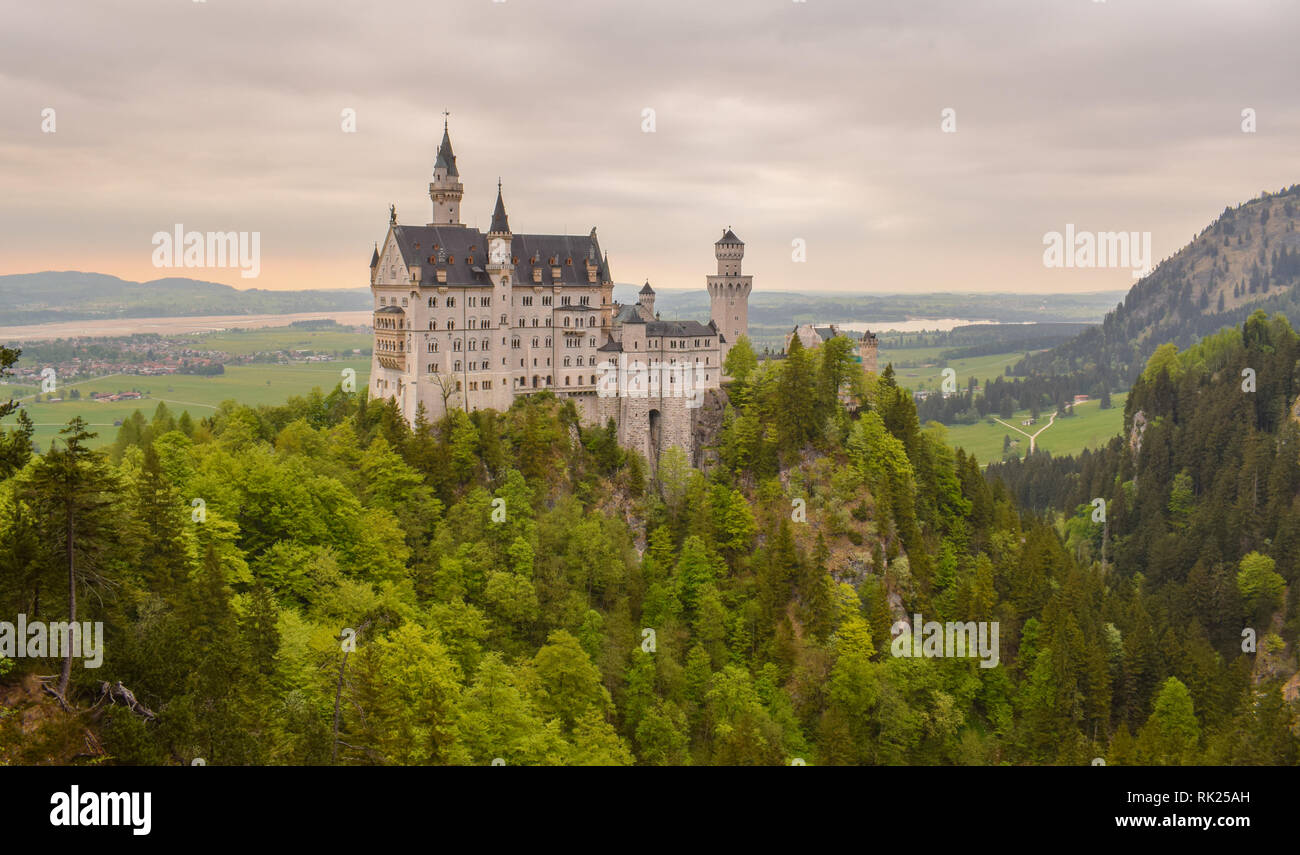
{"type": "Point", "coordinates": [868, 347]}
{"type": "Point", "coordinates": [729, 291]}
{"type": "Point", "coordinates": [445, 190]}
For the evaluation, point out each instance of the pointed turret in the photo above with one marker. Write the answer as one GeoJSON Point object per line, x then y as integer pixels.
{"type": "Point", "coordinates": [500, 225]}
{"type": "Point", "coordinates": [374, 259]}
{"type": "Point", "coordinates": [446, 159]}
{"type": "Point", "coordinates": [445, 190]}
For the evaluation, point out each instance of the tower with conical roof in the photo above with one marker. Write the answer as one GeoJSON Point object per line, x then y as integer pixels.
{"type": "Point", "coordinates": [445, 190]}
{"type": "Point", "coordinates": [729, 291]}
{"type": "Point", "coordinates": [499, 254]}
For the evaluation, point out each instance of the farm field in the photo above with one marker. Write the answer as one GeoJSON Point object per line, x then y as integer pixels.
{"type": "Point", "coordinates": [244, 341]}
{"type": "Point", "coordinates": [247, 384]}
{"type": "Point", "coordinates": [1089, 427]}
{"type": "Point", "coordinates": [928, 373]}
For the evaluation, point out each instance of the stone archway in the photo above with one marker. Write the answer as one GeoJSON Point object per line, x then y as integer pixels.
{"type": "Point", "coordinates": [654, 437]}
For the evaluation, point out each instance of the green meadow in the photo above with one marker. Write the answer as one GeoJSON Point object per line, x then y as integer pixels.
{"type": "Point", "coordinates": [920, 368]}
{"type": "Point", "coordinates": [1089, 427]}
{"type": "Point", "coordinates": [247, 384]}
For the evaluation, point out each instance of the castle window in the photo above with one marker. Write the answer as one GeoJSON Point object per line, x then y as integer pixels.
{"type": "Point", "coordinates": [514, 342]}
{"type": "Point", "coordinates": [457, 385]}
{"type": "Point", "coordinates": [564, 300]}
{"type": "Point", "coordinates": [433, 325]}
{"type": "Point", "coordinates": [473, 345]}
{"type": "Point", "coordinates": [504, 320]}
{"type": "Point", "coordinates": [472, 321]}
{"type": "Point", "coordinates": [433, 302]}
{"type": "Point", "coordinates": [567, 378]}
{"type": "Point", "coordinates": [455, 345]}
{"type": "Point", "coordinates": [566, 321]}
{"type": "Point", "coordinates": [457, 368]}
{"type": "Point", "coordinates": [591, 322]}
{"type": "Point", "coordinates": [487, 345]}
{"type": "Point", "coordinates": [403, 301]}
{"type": "Point", "coordinates": [526, 301]}
{"type": "Point", "coordinates": [584, 300]}
{"type": "Point", "coordinates": [546, 299]}
{"type": "Point", "coordinates": [548, 341]}
{"type": "Point", "coordinates": [451, 325]}
{"type": "Point", "coordinates": [451, 302]}
{"type": "Point", "coordinates": [473, 301]}
{"type": "Point", "coordinates": [591, 342]}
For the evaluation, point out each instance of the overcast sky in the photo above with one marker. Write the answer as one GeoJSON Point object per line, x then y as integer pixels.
{"type": "Point", "coordinates": [817, 120]}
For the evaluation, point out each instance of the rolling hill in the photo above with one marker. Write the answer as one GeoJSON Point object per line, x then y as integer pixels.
{"type": "Point", "coordinates": [1247, 259]}
{"type": "Point", "coordinates": [53, 296]}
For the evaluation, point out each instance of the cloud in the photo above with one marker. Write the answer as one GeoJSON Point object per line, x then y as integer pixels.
{"type": "Point", "coordinates": [816, 120]}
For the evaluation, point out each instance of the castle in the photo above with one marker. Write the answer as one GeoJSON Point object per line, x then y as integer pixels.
{"type": "Point", "coordinates": [467, 320]}
{"type": "Point", "coordinates": [811, 336]}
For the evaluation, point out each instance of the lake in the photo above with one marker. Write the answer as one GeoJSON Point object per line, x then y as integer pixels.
{"type": "Point", "coordinates": [170, 326]}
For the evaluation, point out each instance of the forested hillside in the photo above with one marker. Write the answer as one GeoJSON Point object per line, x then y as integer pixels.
{"type": "Point", "coordinates": [1247, 259]}
{"type": "Point", "coordinates": [53, 296]}
{"type": "Point", "coordinates": [318, 583]}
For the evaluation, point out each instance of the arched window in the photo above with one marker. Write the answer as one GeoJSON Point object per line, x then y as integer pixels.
{"type": "Point", "coordinates": [451, 325]}
{"type": "Point", "coordinates": [455, 345]}
{"type": "Point", "coordinates": [433, 302]}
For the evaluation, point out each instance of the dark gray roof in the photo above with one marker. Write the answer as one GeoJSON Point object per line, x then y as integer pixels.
{"type": "Point", "coordinates": [500, 225]}
{"type": "Point", "coordinates": [445, 157]}
{"type": "Point", "coordinates": [646, 289]}
{"type": "Point", "coordinates": [424, 245]}
{"type": "Point", "coordinates": [374, 259]}
{"type": "Point", "coordinates": [634, 318]}
{"type": "Point", "coordinates": [391, 310]}
{"type": "Point", "coordinates": [730, 237]}
{"type": "Point", "coordinates": [670, 329]}
{"type": "Point", "coordinates": [611, 346]}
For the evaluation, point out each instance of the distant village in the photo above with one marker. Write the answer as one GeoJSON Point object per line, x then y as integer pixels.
{"type": "Point", "coordinates": [147, 355]}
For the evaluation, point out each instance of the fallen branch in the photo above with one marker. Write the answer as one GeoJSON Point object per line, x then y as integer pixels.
{"type": "Point", "coordinates": [117, 692]}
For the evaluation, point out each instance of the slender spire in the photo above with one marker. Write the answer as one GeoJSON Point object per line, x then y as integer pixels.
{"type": "Point", "coordinates": [446, 159]}
{"type": "Point", "coordinates": [374, 259]}
{"type": "Point", "coordinates": [500, 225]}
